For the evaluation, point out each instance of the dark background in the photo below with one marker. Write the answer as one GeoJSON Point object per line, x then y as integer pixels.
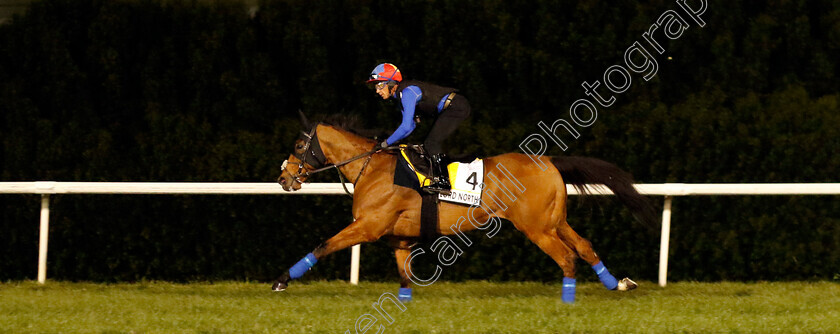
{"type": "Point", "coordinates": [199, 91]}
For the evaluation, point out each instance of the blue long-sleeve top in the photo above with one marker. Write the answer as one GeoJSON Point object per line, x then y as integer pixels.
{"type": "Point", "coordinates": [410, 97]}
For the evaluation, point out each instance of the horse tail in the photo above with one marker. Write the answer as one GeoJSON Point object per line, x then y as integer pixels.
{"type": "Point", "coordinates": [578, 171]}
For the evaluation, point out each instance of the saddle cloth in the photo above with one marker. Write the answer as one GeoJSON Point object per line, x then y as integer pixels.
{"type": "Point", "coordinates": [413, 171]}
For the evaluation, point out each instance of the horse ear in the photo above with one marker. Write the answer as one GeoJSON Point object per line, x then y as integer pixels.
{"type": "Point", "coordinates": [303, 119]}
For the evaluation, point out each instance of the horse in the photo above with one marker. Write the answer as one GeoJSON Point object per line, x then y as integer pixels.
{"type": "Point", "coordinates": [527, 190]}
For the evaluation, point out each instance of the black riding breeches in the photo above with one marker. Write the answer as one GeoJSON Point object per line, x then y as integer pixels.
{"type": "Point", "coordinates": [446, 123]}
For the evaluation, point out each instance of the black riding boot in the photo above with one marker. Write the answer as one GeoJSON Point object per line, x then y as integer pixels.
{"type": "Point", "coordinates": [441, 184]}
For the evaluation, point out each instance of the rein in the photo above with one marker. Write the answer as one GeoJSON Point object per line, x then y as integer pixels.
{"type": "Point", "coordinates": [368, 154]}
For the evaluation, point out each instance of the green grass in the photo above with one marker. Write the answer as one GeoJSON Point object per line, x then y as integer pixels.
{"type": "Point", "coordinates": [472, 307]}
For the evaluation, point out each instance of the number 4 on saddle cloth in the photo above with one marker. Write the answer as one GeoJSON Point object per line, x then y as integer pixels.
{"type": "Point", "coordinates": [413, 171]}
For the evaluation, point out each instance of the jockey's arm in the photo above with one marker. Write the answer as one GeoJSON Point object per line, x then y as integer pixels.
{"type": "Point", "coordinates": [410, 97]}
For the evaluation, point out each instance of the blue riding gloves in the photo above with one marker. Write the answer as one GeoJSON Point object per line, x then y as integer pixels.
{"type": "Point", "coordinates": [302, 266]}
{"type": "Point", "coordinates": [604, 275]}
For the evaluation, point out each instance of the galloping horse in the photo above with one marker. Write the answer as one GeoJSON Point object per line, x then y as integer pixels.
{"type": "Point", "coordinates": [529, 191]}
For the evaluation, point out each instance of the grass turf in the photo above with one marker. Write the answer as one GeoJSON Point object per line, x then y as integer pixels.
{"type": "Point", "coordinates": [470, 307]}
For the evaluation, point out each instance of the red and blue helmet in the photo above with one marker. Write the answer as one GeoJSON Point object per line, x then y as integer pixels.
{"type": "Point", "coordinates": [385, 72]}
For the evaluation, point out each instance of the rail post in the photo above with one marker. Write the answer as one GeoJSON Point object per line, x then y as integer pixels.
{"type": "Point", "coordinates": [45, 234]}
{"type": "Point", "coordinates": [663, 241]}
{"type": "Point", "coordinates": [355, 256]}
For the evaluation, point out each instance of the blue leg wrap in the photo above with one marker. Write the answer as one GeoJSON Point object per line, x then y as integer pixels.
{"type": "Point", "coordinates": [569, 290]}
{"type": "Point", "coordinates": [404, 295]}
{"type": "Point", "coordinates": [302, 266]}
{"type": "Point", "coordinates": [604, 275]}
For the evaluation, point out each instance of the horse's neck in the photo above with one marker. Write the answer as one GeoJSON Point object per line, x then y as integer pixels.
{"type": "Point", "coordinates": [339, 145]}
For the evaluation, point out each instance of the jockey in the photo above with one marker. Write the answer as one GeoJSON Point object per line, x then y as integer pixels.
{"type": "Point", "coordinates": [413, 98]}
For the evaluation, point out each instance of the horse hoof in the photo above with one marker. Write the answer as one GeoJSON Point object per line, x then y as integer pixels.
{"type": "Point", "coordinates": [279, 286]}
{"type": "Point", "coordinates": [626, 284]}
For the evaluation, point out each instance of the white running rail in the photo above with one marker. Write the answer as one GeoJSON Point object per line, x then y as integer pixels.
{"type": "Point", "coordinates": [669, 190]}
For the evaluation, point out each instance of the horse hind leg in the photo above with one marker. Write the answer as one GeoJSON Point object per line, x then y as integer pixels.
{"type": "Point", "coordinates": [584, 248]}
{"type": "Point", "coordinates": [563, 255]}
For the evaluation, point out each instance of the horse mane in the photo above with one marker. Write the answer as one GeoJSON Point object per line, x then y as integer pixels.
{"type": "Point", "coordinates": [350, 123]}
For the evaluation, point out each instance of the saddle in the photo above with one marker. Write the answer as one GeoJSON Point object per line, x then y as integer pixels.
{"type": "Point", "coordinates": [413, 171]}
{"type": "Point", "coordinates": [414, 167]}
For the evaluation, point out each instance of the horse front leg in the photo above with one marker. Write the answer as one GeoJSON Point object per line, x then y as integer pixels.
{"type": "Point", "coordinates": [354, 234]}
{"type": "Point", "coordinates": [402, 249]}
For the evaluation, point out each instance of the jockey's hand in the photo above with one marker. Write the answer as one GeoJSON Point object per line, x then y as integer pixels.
{"type": "Point", "coordinates": [383, 144]}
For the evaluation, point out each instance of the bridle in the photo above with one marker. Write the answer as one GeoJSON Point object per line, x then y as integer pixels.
{"type": "Point", "coordinates": [317, 158]}
{"type": "Point", "coordinates": [319, 162]}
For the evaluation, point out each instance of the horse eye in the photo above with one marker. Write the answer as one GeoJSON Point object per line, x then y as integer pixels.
{"type": "Point", "coordinates": [299, 147]}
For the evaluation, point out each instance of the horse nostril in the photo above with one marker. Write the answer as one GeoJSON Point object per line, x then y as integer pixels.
{"type": "Point", "coordinates": [281, 180]}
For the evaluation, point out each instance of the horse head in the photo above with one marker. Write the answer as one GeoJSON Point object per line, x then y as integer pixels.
{"type": "Point", "coordinates": [307, 157]}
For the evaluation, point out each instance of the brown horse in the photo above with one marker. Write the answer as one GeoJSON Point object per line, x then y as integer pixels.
{"type": "Point", "coordinates": [528, 191]}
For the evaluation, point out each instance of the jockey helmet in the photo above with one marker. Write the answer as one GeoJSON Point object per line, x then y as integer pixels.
{"type": "Point", "coordinates": [385, 72]}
